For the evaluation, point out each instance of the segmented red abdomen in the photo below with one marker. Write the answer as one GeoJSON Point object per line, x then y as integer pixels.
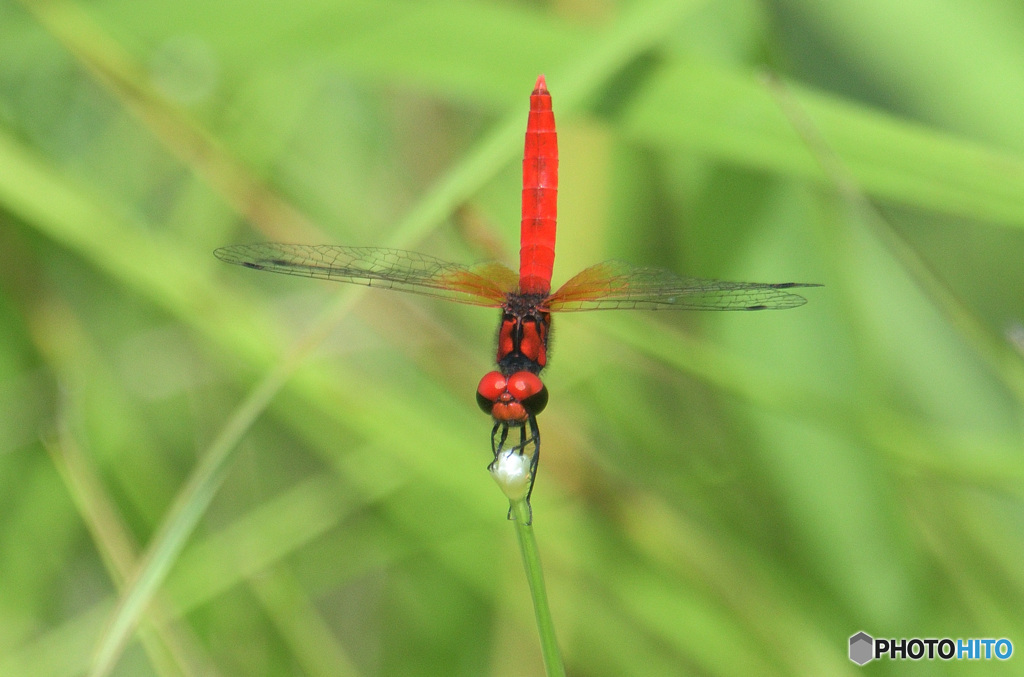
{"type": "Point", "coordinates": [540, 195]}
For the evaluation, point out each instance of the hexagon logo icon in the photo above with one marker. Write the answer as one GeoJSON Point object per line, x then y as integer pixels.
{"type": "Point", "coordinates": [862, 648]}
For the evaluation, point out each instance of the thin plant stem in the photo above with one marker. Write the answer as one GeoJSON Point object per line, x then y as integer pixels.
{"type": "Point", "coordinates": [535, 577]}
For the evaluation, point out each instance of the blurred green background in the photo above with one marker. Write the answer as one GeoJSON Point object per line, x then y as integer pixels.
{"type": "Point", "coordinates": [720, 493]}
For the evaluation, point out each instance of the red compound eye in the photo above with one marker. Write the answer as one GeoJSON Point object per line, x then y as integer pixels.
{"type": "Point", "coordinates": [491, 387]}
{"type": "Point", "coordinates": [523, 384]}
{"type": "Point", "coordinates": [529, 391]}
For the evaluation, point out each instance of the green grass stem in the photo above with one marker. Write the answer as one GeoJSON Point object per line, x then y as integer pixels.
{"type": "Point", "coordinates": [535, 576]}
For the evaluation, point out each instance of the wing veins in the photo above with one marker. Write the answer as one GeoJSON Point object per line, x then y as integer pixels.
{"type": "Point", "coordinates": [618, 285]}
{"type": "Point", "coordinates": [484, 284]}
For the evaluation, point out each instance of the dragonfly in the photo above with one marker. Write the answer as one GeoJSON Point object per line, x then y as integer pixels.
{"type": "Point", "coordinates": [513, 394]}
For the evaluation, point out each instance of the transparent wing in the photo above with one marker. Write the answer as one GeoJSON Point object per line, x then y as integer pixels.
{"type": "Point", "coordinates": [614, 284]}
{"type": "Point", "coordinates": [482, 285]}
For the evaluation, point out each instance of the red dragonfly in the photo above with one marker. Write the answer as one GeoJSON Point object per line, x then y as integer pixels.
{"type": "Point", "coordinates": [513, 394]}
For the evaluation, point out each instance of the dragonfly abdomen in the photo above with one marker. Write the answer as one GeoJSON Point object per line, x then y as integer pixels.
{"type": "Point", "coordinates": [540, 195]}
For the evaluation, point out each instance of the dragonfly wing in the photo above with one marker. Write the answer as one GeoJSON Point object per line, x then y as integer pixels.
{"type": "Point", "coordinates": [483, 285]}
{"type": "Point", "coordinates": [614, 284]}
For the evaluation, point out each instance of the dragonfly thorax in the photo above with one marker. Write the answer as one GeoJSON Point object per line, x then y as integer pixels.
{"type": "Point", "coordinates": [523, 339]}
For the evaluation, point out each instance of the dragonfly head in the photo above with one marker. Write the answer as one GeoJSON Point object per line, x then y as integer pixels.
{"type": "Point", "coordinates": [511, 399]}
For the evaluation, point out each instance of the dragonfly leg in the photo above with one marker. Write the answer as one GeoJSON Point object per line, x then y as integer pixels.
{"type": "Point", "coordinates": [498, 442]}
{"type": "Point", "coordinates": [521, 448]}
{"type": "Point", "coordinates": [534, 461]}
{"type": "Point", "coordinates": [524, 471]}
